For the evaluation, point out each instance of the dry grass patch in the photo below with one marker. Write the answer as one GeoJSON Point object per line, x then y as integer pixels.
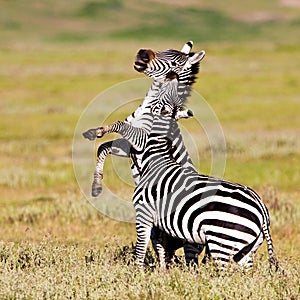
{"type": "Point", "coordinates": [47, 270]}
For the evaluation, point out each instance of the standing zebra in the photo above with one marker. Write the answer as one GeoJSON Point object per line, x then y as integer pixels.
{"type": "Point", "coordinates": [155, 65]}
{"type": "Point", "coordinates": [230, 219]}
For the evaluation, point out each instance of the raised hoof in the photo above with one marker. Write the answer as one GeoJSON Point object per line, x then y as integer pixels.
{"type": "Point", "coordinates": [96, 189]}
{"type": "Point", "coordinates": [91, 134]}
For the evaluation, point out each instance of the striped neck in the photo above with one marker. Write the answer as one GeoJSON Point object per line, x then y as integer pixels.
{"type": "Point", "coordinates": [186, 78]}
{"type": "Point", "coordinates": [158, 150]}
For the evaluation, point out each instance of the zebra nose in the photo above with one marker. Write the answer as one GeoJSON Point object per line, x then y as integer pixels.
{"type": "Point", "coordinates": [142, 58]}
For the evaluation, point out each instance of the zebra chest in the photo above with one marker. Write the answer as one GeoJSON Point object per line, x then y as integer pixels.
{"type": "Point", "coordinates": [144, 121]}
{"type": "Point", "coordinates": [155, 189]}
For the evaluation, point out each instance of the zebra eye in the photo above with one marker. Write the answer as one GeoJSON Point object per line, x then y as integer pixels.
{"type": "Point", "coordinates": [173, 63]}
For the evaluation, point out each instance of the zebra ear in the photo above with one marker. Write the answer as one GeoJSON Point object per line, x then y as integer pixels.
{"type": "Point", "coordinates": [187, 47]}
{"type": "Point", "coordinates": [195, 58]}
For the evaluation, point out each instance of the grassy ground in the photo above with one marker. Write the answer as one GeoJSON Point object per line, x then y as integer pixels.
{"type": "Point", "coordinates": [51, 271]}
{"type": "Point", "coordinates": [56, 58]}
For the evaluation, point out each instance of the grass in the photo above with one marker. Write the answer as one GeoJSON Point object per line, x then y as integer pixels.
{"type": "Point", "coordinates": [54, 243]}
{"type": "Point", "coordinates": [87, 273]}
{"type": "Point", "coordinates": [92, 20]}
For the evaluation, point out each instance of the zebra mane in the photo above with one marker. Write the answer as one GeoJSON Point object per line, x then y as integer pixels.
{"type": "Point", "coordinates": [185, 87]}
{"type": "Point", "coordinates": [195, 70]}
{"type": "Point", "coordinates": [187, 79]}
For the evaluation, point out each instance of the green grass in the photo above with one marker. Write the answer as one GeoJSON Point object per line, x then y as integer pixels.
{"type": "Point", "coordinates": [79, 21]}
{"type": "Point", "coordinates": [56, 58]}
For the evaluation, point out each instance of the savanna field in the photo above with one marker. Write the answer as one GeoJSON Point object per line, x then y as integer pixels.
{"type": "Point", "coordinates": [56, 57]}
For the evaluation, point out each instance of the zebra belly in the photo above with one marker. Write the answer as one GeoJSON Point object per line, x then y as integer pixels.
{"type": "Point", "coordinates": [198, 237]}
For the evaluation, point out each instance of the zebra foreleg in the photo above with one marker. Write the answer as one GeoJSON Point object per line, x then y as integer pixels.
{"type": "Point", "coordinates": [119, 147]}
{"type": "Point", "coordinates": [137, 137]}
{"type": "Point", "coordinates": [99, 132]}
{"type": "Point", "coordinates": [94, 133]}
{"type": "Point", "coordinates": [143, 237]}
{"type": "Point", "coordinates": [103, 151]}
{"type": "Point", "coordinates": [164, 246]}
{"type": "Point", "coordinates": [157, 244]}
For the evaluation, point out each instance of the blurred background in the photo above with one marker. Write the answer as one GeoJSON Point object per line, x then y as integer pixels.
{"type": "Point", "coordinates": [56, 56]}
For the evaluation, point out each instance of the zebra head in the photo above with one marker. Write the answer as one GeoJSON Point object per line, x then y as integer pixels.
{"type": "Point", "coordinates": [169, 102]}
{"type": "Point", "coordinates": [157, 64]}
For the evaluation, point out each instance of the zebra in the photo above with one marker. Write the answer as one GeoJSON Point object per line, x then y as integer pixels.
{"type": "Point", "coordinates": [155, 65]}
{"type": "Point", "coordinates": [228, 218]}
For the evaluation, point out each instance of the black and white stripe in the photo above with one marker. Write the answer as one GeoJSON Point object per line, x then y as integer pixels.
{"type": "Point", "coordinates": [228, 218]}
{"type": "Point", "coordinates": [155, 65]}
{"type": "Point", "coordinates": [187, 65]}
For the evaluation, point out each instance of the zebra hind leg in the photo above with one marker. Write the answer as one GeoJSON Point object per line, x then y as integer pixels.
{"type": "Point", "coordinates": [191, 253]}
{"type": "Point", "coordinates": [207, 255]}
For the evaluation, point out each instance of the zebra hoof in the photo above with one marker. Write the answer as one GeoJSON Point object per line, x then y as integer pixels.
{"type": "Point", "coordinates": [96, 189]}
{"type": "Point", "coordinates": [91, 134]}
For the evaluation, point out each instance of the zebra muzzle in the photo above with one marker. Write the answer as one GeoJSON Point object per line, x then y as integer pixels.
{"type": "Point", "coordinates": [142, 58]}
{"type": "Point", "coordinates": [140, 66]}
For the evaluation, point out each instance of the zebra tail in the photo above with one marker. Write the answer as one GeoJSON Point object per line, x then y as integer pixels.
{"type": "Point", "coordinates": [272, 258]}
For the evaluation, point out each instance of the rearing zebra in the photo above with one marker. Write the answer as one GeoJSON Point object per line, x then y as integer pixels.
{"type": "Point", "coordinates": [230, 219]}
{"type": "Point", "coordinates": [155, 65]}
